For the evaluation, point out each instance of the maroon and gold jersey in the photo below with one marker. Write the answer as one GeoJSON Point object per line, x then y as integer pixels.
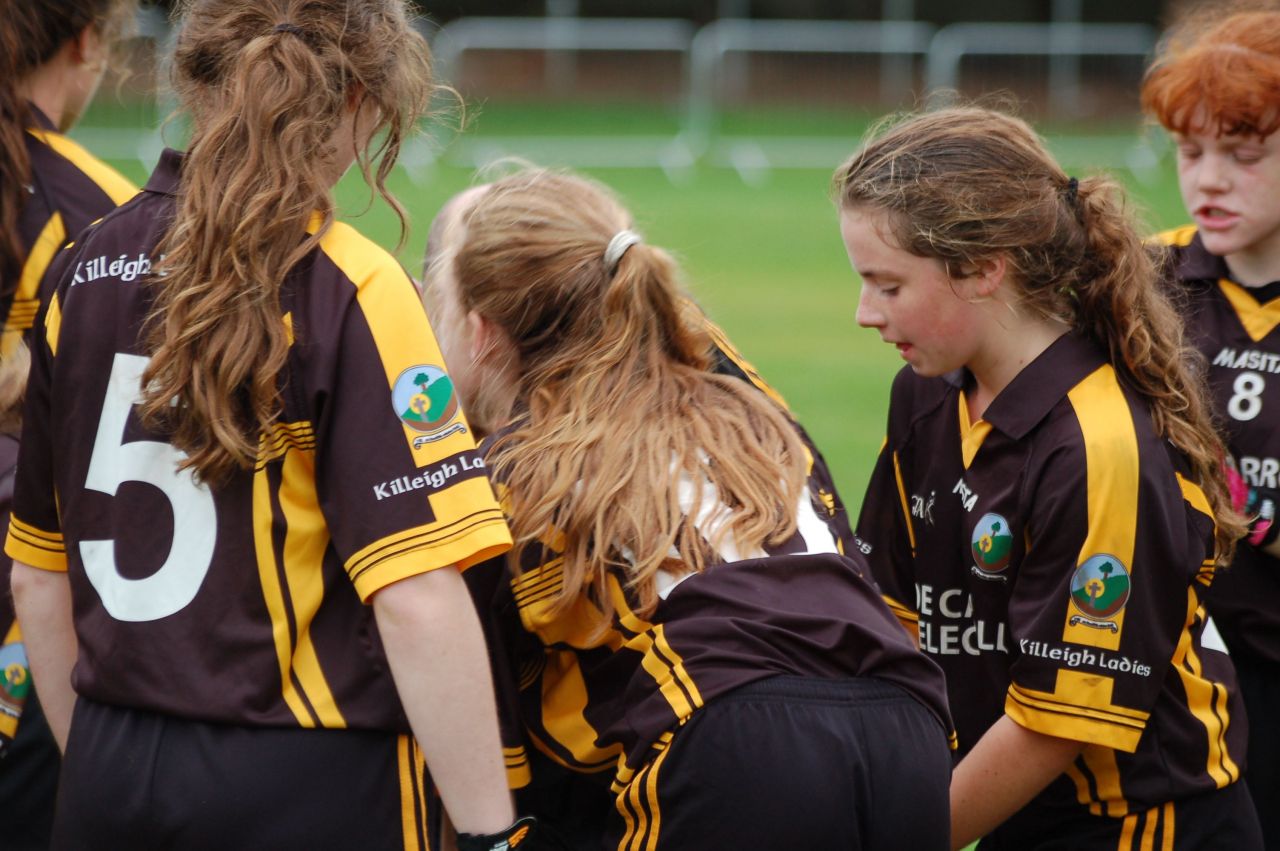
{"type": "Point", "coordinates": [69, 189]}
{"type": "Point", "coordinates": [1053, 557]}
{"type": "Point", "coordinates": [597, 701]}
{"type": "Point", "coordinates": [244, 603]}
{"type": "Point", "coordinates": [1235, 328]}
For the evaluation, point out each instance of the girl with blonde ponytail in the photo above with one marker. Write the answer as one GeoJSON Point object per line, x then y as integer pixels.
{"type": "Point", "coordinates": [1050, 405]}
{"type": "Point", "coordinates": [52, 57]}
{"type": "Point", "coordinates": [242, 459]}
{"type": "Point", "coordinates": [677, 610]}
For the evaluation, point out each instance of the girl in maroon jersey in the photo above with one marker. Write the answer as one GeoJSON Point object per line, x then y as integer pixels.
{"type": "Point", "coordinates": [52, 56]}
{"type": "Point", "coordinates": [1049, 404]}
{"type": "Point", "coordinates": [678, 613]}
{"type": "Point", "coordinates": [1214, 87]}
{"type": "Point", "coordinates": [268, 647]}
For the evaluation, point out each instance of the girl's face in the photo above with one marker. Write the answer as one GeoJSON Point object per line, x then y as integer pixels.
{"type": "Point", "coordinates": [910, 300]}
{"type": "Point", "coordinates": [1231, 187]}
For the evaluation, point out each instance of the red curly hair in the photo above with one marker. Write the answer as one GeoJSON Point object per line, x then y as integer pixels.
{"type": "Point", "coordinates": [1218, 71]}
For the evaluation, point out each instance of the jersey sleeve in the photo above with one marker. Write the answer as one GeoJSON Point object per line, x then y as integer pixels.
{"type": "Point", "coordinates": [401, 484]}
{"type": "Point", "coordinates": [885, 536]}
{"type": "Point", "coordinates": [1102, 599]}
{"type": "Point", "coordinates": [35, 530]}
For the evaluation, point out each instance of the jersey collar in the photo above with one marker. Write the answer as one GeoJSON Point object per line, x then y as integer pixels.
{"type": "Point", "coordinates": [1195, 263]}
{"type": "Point", "coordinates": [40, 119]}
{"type": "Point", "coordinates": [1040, 385]}
{"type": "Point", "coordinates": [164, 179]}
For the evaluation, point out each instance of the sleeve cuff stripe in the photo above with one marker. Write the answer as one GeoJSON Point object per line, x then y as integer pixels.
{"type": "Point", "coordinates": [1101, 716]}
{"type": "Point", "coordinates": [35, 543]}
{"type": "Point", "coordinates": [393, 545]}
{"type": "Point", "coordinates": [425, 541]}
{"type": "Point", "coordinates": [34, 533]}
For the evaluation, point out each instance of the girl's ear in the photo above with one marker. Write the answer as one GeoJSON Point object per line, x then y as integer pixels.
{"type": "Point", "coordinates": [487, 339]}
{"type": "Point", "coordinates": [989, 276]}
{"type": "Point", "coordinates": [88, 47]}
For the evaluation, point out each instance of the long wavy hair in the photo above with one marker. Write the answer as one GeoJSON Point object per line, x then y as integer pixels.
{"type": "Point", "coordinates": [1218, 71]}
{"type": "Point", "coordinates": [966, 185]}
{"type": "Point", "coordinates": [266, 82]}
{"type": "Point", "coordinates": [622, 435]}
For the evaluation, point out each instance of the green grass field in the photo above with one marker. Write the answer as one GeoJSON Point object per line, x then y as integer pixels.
{"type": "Point", "coordinates": [765, 260]}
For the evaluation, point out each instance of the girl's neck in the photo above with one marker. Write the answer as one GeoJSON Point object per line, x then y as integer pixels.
{"type": "Point", "coordinates": [998, 362]}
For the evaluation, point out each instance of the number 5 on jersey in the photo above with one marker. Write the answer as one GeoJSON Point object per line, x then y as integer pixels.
{"type": "Point", "coordinates": [115, 462]}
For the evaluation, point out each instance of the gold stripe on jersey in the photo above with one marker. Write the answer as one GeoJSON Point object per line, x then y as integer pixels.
{"type": "Point", "coordinates": [1258, 320]}
{"type": "Point", "coordinates": [281, 437]}
{"type": "Point", "coordinates": [35, 547]}
{"type": "Point", "coordinates": [1101, 763]}
{"type": "Point", "coordinates": [53, 323]}
{"type": "Point", "coordinates": [462, 542]}
{"type": "Point", "coordinates": [1079, 708]}
{"type": "Point", "coordinates": [26, 299]}
{"type": "Point", "coordinates": [564, 705]}
{"type": "Point", "coordinates": [906, 509]}
{"type": "Point", "coordinates": [516, 762]}
{"type": "Point", "coordinates": [722, 343]}
{"type": "Point", "coordinates": [1206, 699]}
{"type": "Point", "coordinates": [659, 659]}
{"type": "Point", "coordinates": [306, 537]}
{"type": "Point", "coordinates": [288, 328]}
{"type": "Point", "coordinates": [1177, 237]}
{"type": "Point", "coordinates": [910, 617]}
{"type": "Point", "coordinates": [273, 596]}
{"type": "Point", "coordinates": [1111, 465]}
{"type": "Point", "coordinates": [110, 181]}
{"type": "Point", "coordinates": [396, 321]}
{"type": "Point", "coordinates": [972, 434]}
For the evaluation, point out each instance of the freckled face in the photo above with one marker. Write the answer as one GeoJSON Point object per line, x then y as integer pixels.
{"type": "Point", "coordinates": [910, 300]}
{"type": "Point", "coordinates": [1231, 187]}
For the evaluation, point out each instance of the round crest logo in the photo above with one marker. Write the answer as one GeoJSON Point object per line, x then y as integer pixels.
{"type": "Point", "coordinates": [1100, 586]}
{"type": "Point", "coordinates": [424, 399]}
{"type": "Point", "coordinates": [15, 679]}
{"type": "Point", "coordinates": [991, 543]}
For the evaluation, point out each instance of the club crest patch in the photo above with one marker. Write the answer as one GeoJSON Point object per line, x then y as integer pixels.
{"type": "Point", "coordinates": [991, 545]}
{"type": "Point", "coordinates": [425, 400]}
{"type": "Point", "coordinates": [15, 676]}
{"type": "Point", "coordinates": [1099, 590]}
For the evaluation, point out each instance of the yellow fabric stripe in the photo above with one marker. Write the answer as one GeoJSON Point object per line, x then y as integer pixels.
{"type": "Point", "coordinates": [1177, 237]}
{"type": "Point", "coordinates": [1111, 459]}
{"type": "Point", "coordinates": [53, 323]}
{"type": "Point", "coordinates": [908, 616]}
{"type": "Point", "coordinates": [1166, 843]}
{"type": "Point", "coordinates": [651, 791]}
{"type": "Point", "coordinates": [33, 552]}
{"type": "Point", "coordinates": [664, 665]}
{"type": "Point", "coordinates": [564, 704]}
{"type": "Point", "coordinates": [1101, 762]}
{"type": "Point", "coordinates": [971, 434]}
{"type": "Point", "coordinates": [110, 181]}
{"type": "Point", "coordinates": [14, 635]}
{"type": "Point", "coordinates": [273, 595]}
{"type": "Point", "coordinates": [1152, 819]}
{"type": "Point", "coordinates": [1202, 697]}
{"type": "Point", "coordinates": [36, 534]}
{"type": "Point", "coordinates": [1083, 795]}
{"type": "Point", "coordinates": [1258, 320]}
{"type": "Point", "coordinates": [1127, 830]}
{"type": "Point", "coordinates": [306, 539]}
{"type": "Point", "coordinates": [43, 250]}
{"type": "Point", "coordinates": [396, 321]}
{"type": "Point", "coordinates": [906, 509]}
{"type": "Point", "coordinates": [1194, 497]}
{"type": "Point", "coordinates": [1044, 713]}
{"type": "Point", "coordinates": [489, 537]}
{"type": "Point", "coordinates": [516, 762]}
{"type": "Point", "coordinates": [408, 813]}
{"type": "Point", "coordinates": [425, 795]}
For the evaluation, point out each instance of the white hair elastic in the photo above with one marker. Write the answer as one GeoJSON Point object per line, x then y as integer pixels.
{"type": "Point", "coordinates": [622, 240]}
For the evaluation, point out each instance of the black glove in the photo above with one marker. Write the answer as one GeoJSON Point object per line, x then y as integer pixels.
{"type": "Point", "coordinates": [513, 837]}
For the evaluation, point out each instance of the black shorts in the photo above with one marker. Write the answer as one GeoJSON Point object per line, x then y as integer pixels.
{"type": "Point", "coordinates": [792, 762]}
{"type": "Point", "coordinates": [1211, 821]}
{"type": "Point", "coordinates": [138, 780]}
{"type": "Point", "coordinates": [1259, 680]}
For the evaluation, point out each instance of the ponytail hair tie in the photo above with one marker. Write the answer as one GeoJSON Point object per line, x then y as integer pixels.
{"type": "Point", "coordinates": [618, 246]}
{"type": "Point", "coordinates": [1073, 191]}
{"type": "Point", "coordinates": [288, 28]}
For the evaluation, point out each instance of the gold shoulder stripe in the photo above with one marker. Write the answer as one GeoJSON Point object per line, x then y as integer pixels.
{"type": "Point", "coordinates": [1113, 475]}
{"type": "Point", "coordinates": [1206, 699]}
{"type": "Point", "coordinates": [26, 301]}
{"type": "Point", "coordinates": [722, 343]}
{"type": "Point", "coordinates": [906, 509]}
{"type": "Point", "coordinates": [113, 183]}
{"type": "Point", "coordinates": [972, 434]}
{"type": "Point", "coordinates": [53, 323]}
{"type": "Point", "coordinates": [1176, 237]}
{"type": "Point", "coordinates": [1194, 496]}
